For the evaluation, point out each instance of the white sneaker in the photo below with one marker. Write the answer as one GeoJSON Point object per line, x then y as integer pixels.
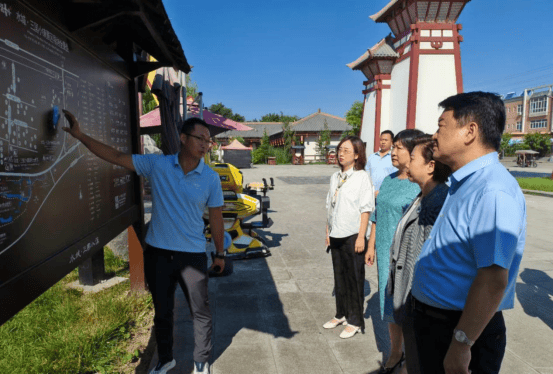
{"type": "Point", "coordinates": [349, 331]}
{"type": "Point", "coordinates": [201, 368]}
{"type": "Point", "coordinates": [334, 322]}
{"type": "Point", "coordinates": [162, 368]}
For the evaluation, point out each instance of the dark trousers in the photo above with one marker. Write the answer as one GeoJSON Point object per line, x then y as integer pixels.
{"type": "Point", "coordinates": [349, 279]}
{"type": "Point", "coordinates": [433, 332]}
{"type": "Point", "coordinates": [163, 269]}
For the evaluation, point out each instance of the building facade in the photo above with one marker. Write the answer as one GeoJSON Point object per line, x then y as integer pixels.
{"type": "Point", "coordinates": [307, 131]}
{"type": "Point", "coordinates": [530, 112]}
{"type": "Point", "coordinates": [410, 71]}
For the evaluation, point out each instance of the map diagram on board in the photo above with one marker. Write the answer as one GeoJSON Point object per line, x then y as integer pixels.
{"type": "Point", "coordinates": [52, 189]}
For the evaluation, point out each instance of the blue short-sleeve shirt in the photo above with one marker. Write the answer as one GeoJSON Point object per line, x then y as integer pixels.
{"type": "Point", "coordinates": [178, 201]}
{"type": "Point", "coordinates": [379, 168]}
{"type": "Point", "coordinates": [482, 223]}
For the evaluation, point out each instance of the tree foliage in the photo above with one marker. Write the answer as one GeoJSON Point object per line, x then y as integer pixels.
{"type": "Point", "coordinates": [289, 136]}
{"type": "Point", "coordinates": [323, 141]}
{"type": "Point", "coordinates": [265, 149]}
{"type": "Point", "coordinates": [148, 101]}
{"type": "Point", "coordinates": [191, 87]}
{"type": "Point", "coordinates": [239, 138]}
{"type": "Point", "coordinates": [222, 110]}
{"type": "Point", "coordinates": [538, 142]}
{"type": "Point", "coordinates": [260, 154]}
{"type": "Point", "coordinates": [274, 117]}
{"type": "Point", "coordinates": [353, 117]}
{"type": "Point", "coordinates": [535, 141]}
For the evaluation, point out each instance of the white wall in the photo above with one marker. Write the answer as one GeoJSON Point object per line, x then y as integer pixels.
{"type": "Point", "coordinates": [399, 96]}
{"type": "Point", "coordinates": [369, 112]}
{"type": "Point", "coordinates": [310, 143]}
{"type": "Point", "coordinates": [437, 81]}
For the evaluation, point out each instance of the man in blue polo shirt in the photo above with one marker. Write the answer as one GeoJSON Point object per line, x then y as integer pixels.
{"type": "Point", "coordinates": [379, 164]}
{"type": "Point", "coordinates": [182, 187]}
{"type": "Point", "coordinates": [466, 272]}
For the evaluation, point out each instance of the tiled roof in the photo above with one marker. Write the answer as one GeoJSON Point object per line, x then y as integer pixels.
{"type": "Point", "coordinates": [380, 49]}
{"type": "Point", "coordinates": [257, 132]}
{"type": "Point", "coordinates": [315, 122]}
{"type": "Point", "coordinates": [312, 123]}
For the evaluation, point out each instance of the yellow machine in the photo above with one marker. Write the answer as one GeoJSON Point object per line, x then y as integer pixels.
{"type": "Point", "coordinates": [241, 203]}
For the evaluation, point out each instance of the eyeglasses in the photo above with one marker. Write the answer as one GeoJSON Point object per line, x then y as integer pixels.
{"type": "Point", "coordinates": [344, 151]}
{"type": "Point", "coordinates": [203, 140]}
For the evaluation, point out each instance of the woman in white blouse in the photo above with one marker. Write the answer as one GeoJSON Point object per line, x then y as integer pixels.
{"type": "Point", "coordinates": [349, 202]}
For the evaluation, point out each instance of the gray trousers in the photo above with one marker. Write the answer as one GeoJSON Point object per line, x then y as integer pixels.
{"type": "Point", "coordinates": [163, 269]}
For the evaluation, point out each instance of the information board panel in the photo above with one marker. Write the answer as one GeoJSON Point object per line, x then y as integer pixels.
{"type": "Point", "coordinates": [58, 202]}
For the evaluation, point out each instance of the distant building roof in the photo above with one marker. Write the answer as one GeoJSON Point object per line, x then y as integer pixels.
{"type": "Point", "coordinates": [257, 132]}
{"type": "Point", "coordinates": [236, 145]}
{"type": "Point", "coordinates": [315, 123]}
{"type": "Point", "coordinates": [312, 123]}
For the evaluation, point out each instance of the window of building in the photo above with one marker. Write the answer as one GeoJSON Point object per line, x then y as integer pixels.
{"type": "Point", "coordinates": [519, 126]}
{"type": "Point", "coordinates": [539, 124]}
{"type": "Point", "coordinates": [519, 109]}
{"type": "Point", "coordinates": [538, 105]}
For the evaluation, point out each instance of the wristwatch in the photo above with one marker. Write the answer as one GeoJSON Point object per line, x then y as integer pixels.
{"type": "Point", "coordinates": [461, 337]}
{"type": "Point", "coordinates": [220, 255]}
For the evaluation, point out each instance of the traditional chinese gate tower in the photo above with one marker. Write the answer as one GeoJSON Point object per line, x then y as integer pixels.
{"type": "Point", "coordinates": [409, 73]}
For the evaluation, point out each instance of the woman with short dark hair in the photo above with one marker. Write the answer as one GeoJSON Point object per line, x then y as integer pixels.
{"type": "Point", "coordinates": [349, 202]}
{"type": "Point", "coordinates": [396, 194]}
{"type": "Point", "coordinates": [411, 233]}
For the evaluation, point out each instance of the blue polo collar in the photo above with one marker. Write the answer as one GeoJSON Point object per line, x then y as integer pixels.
{"type": "Point", "coordinates": [389, 153]}
{"type": "Point", "coordinates": [473, 166]}
{"type": "Point", "coordinates": [198, 169]}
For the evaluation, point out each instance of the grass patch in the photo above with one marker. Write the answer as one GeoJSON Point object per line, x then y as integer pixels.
{"type": "Point", "coordinates": [537, 184]}
{"type": "Point", "coordinates": [67, 331]}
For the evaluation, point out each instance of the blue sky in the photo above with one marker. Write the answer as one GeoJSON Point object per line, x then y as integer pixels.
{"type": "Point", "coordinates": [260, 57]}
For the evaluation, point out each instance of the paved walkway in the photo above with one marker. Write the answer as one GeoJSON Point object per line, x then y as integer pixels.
{"type": "Point", "coordinates": [268, 314]}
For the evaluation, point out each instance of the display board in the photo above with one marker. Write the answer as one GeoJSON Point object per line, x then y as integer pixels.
{"type": "Point", "coordinates": [58, 202]}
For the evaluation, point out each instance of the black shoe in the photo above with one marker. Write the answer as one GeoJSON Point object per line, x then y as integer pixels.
{"type": "Point", "coordinates": [163, 367]}
{"type": "Point", "coordinates": [386, 370]}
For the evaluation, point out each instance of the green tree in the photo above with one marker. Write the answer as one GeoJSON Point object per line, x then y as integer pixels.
{"type": "Point", "coordinates": [191, 87]}
{"type": "Point", "coordinates": [149, 104]}
{"type": "Point", "coordinates": [504, 146]}
{"type": "Point", "coordinates": [222, 110]}
{"type": "Point", "coordinates": [289, 136]}
{"type": "Point", "coordinates": [263, 151]}
{"type": "Point", "coordinates": [239, 138]}
{"type": "Point", "coordinates": [323, 141]}
{"type": "Point", "coordinates": [274, 117]}
{"type": "Point", "coordinates": [148, 101]}
{"type": "Point", "coordinates": [353, 117]}
{"type": "Point", "coordinates": [538, 142]}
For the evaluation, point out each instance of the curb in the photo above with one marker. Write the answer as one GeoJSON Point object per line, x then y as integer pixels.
{"type": "Point", "coordinates": [538, 193]}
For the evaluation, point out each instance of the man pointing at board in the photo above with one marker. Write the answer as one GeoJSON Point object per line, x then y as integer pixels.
{"type": "Point", "coordinates": [182, 186]}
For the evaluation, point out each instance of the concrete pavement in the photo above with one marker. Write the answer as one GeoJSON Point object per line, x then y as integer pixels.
{"type": "Point", "coordinates": [268, 315]}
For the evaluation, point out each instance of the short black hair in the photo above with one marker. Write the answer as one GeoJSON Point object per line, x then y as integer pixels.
{"type": "Point", "coordinates": [485, 108]}
{"type": "Point", "coordinates": [407, 138]}
{"type": "Point", "coordinates": [387, 132]}
{"type": "Point", "coordinates": [441, 171]}
{"type": "Point", "coordinates": [189, 125]}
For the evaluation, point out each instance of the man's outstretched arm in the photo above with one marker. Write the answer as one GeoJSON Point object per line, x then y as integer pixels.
{"type": "Point", "coordinates": [105, 152]}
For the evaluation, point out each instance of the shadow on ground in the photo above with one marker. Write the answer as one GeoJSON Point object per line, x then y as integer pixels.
{"type": "Point", "coordinates": [535, 295]}
{"type": "Point", "coordinates": [380, 327]}
{"type": "Point", "coordinates": [247, 313]}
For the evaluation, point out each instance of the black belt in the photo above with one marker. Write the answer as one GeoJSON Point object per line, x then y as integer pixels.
{"type": "Point", "coordinates": [432, 311]}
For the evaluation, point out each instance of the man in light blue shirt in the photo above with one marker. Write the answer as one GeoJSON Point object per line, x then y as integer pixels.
{"type": "Point", "coordinates": [466, 272]}
{"type": "Point", "coordinates": [182, 188]}
{"type": "Point", "coordinates": [379, 164]}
